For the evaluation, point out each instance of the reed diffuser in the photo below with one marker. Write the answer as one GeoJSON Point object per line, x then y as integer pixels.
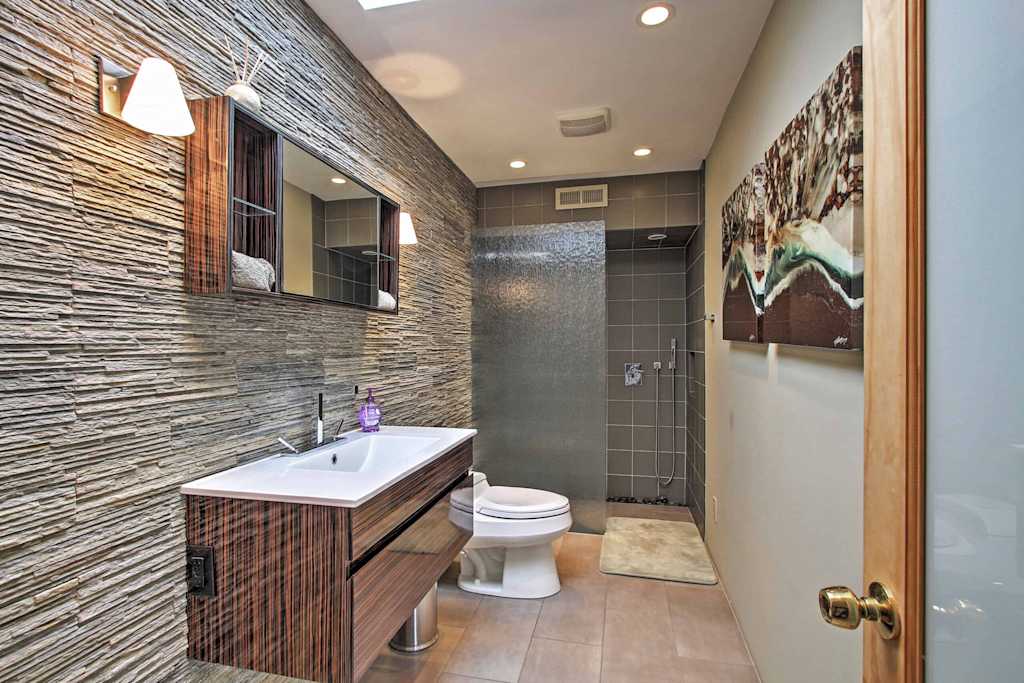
{"type": "Point", "coordinates": [241, 90]}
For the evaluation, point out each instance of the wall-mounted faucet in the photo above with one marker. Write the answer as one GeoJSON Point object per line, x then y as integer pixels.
{"type": "Point", "coordinates": [319, 434]}
{"type": "Point", "coordinates": [320, 419]}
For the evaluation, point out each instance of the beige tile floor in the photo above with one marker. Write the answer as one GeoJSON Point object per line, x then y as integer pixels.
{"type": "Point", "coordinates": [599, 628]}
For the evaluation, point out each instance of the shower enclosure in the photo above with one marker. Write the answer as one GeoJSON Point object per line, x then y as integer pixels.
{"type": "Point", "coordinates": [560, 306]}
{"type": "Point", "coordinates": [539, 361]}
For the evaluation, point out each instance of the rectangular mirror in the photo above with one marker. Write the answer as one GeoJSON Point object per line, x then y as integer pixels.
{"type": "Point", "coordinates": [330, 227]}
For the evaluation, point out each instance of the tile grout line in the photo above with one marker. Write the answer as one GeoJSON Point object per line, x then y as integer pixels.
{"type": "Point", "coordinates": [465, 629]}
{"type": "Point", "coordinates": [533, 630]}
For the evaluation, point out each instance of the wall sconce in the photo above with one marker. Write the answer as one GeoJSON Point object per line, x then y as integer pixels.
{"type": "Point", "coordinates": [150, 100]}
{"type": "Point", "coordinates": [406, 233]}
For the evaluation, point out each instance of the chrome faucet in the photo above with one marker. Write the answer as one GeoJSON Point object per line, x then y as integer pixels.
{"type": "Point", "coordinates": [320, 423]}
{"type": "Point", "coordinates": [320, 419]}
{"type": "Point", "coordinates": [338, 434]}
{"type": "Point", "coordinates": [293, 449]}
{"type": "Point", "coordinates": [319, 434]}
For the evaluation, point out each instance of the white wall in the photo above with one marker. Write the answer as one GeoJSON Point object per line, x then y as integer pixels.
{"type": "Point", "coordinates": [785, 424]}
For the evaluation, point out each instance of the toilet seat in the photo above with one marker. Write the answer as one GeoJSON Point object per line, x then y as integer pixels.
{"type": "Point", "coordinates": [507, 502]}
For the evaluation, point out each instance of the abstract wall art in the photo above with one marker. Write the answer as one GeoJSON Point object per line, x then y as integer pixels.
{"type": "Point", "coordinates": [744, 259]}
{"type": "Point", "coordinates": [802, 257]}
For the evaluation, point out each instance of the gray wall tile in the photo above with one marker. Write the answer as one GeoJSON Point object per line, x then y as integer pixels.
{"type": "Point", "coordinates": [619, 214]}
{"type": "Point", "coordinates": [652, 201]}
{"type": "Point", "coordinates": [620, 412]}
{"type": "Point", "coordinates": [620, 337]}
{"type": "Point", "coordinates": [683, 182]}
{"type": "Point", "coordinates": [653, 274]}
{"type": "Point", "coordinates": [619, 287]}
{"type": "Point", "coordinates": [682, 210]}
{"type": "Point", "coordinates": [620, 462]}
{"type": "Point", "coordinates": [620, 188]}
{"type": "Point", "coordinates": [695, 391]}
{"type": "Point", "coordinates": [496, 218]}
{"type": "Point", "coordinates": [495, 197]}
{"type": "Point", "coordinates": [651, 185]}
{"type": "Point", "coordinates": [650, 212]}
{"type": "Point", "coordinates": [527, 195]}
{"type": "Point", "coordinates": [528, 215]}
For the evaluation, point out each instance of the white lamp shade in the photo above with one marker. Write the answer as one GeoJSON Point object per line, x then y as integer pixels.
{"type": "Point", "coordinates": [406, 233]}
{"type": "Point", "coordinates": [155, 102]}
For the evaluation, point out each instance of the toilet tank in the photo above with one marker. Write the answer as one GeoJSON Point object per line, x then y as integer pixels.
{"type": "Point", "coordinates": [479, 483]}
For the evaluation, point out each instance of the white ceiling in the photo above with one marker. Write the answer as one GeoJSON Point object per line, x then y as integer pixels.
{"type": "Point", "coordinates": [486, 78]}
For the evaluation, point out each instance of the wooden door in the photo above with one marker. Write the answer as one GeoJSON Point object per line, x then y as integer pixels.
{"type": "Point", "coordinates": [894, 329]}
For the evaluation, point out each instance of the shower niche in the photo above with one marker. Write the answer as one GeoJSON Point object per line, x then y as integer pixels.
{"type": "Point", "coordinates": [265, 215]}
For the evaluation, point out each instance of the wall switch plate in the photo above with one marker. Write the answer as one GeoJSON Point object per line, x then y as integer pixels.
{"type": "Point", "coordinates": [714, 508]}
{"type": "Point", "coordinates": [199, 570]}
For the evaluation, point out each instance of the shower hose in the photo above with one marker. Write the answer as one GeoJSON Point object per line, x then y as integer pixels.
{"type": "Point", "coordinates": [657, 427]}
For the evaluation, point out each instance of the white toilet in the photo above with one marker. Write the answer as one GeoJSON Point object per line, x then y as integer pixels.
{"type": "Point", "coordinates": [511, 552]}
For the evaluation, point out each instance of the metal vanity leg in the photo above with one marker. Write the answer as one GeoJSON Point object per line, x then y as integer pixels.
{"type": "Point", "coordinates": [420, 630]}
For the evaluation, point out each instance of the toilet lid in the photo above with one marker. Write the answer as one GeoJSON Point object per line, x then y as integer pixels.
{"type": "Point", "coordinates": [507, 502]}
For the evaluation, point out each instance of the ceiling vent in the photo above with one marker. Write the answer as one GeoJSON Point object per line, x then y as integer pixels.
{"type": "Point", "coordinates": [580, 124]}
{"type": "Point", "coordinates": [581, 197]}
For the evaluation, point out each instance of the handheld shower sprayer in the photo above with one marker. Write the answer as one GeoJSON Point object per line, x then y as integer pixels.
{"type": "Point", "coordinates": [657, 410]}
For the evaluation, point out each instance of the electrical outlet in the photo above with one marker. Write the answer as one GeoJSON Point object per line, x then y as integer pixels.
{"type": "Point", "coordinates": [714, 508]}
{"type": "Point", "coordinates": [199, 570]}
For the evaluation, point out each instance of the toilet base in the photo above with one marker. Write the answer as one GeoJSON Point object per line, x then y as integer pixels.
{"type": "Point", "coordinates": [527, 572]}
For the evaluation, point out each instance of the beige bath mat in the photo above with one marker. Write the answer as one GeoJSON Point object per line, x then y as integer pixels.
{"type": "Point", "coordinates": [656, 549]}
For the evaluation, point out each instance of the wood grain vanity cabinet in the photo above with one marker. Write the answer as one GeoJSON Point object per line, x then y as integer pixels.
{"type": "Point", "coordinates": [315, 591]}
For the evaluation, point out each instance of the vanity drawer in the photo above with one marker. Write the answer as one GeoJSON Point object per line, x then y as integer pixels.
{"type": "Point", "coordinates": [389, 586]}
{"type": "Point", "coordinates": [382, 514]}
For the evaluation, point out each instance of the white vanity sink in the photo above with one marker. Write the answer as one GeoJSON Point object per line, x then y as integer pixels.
{"type": "Point", "coordinates": [343, 473]}
{"type": "Point", "coordinates": [358, 452]}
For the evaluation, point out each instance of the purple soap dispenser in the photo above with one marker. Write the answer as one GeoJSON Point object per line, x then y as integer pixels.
{"type": "Point", "coordinates": [369, 414]}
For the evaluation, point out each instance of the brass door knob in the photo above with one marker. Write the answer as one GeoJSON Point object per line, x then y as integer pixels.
{"type": "Point", "coordinates": [841, 607]}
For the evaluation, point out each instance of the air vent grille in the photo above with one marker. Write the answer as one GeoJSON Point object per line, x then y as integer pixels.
{"type": "Point", "coordinates": [581, 197]}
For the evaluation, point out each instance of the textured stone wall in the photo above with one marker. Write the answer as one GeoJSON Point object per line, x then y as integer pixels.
{"type": "Point", "coordinates": [115, 386]}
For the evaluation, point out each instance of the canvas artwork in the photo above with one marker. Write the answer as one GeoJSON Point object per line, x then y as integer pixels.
{"type": "Point", "coordinates": [744, 259]}
{"type": "Point", "coordinates": [804, 264]}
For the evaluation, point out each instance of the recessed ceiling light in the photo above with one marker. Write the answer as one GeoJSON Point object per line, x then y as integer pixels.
{"type": "Point", "coordinates": [518, 163]}
{"type": "Point", "coordinates": [656, 14]}
{"type": "Point", "coordinates": [657, 236]}
{"type": "Point", "coordinates": [377, 4]}
{"type": "Point", "coordinates": [642, 152]}
{"type": "Point", "coordinates": [338, 181]}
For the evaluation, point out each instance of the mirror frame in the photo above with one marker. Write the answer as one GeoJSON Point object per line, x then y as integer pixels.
{"type": "Point", "coordinates": [281, 137]}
